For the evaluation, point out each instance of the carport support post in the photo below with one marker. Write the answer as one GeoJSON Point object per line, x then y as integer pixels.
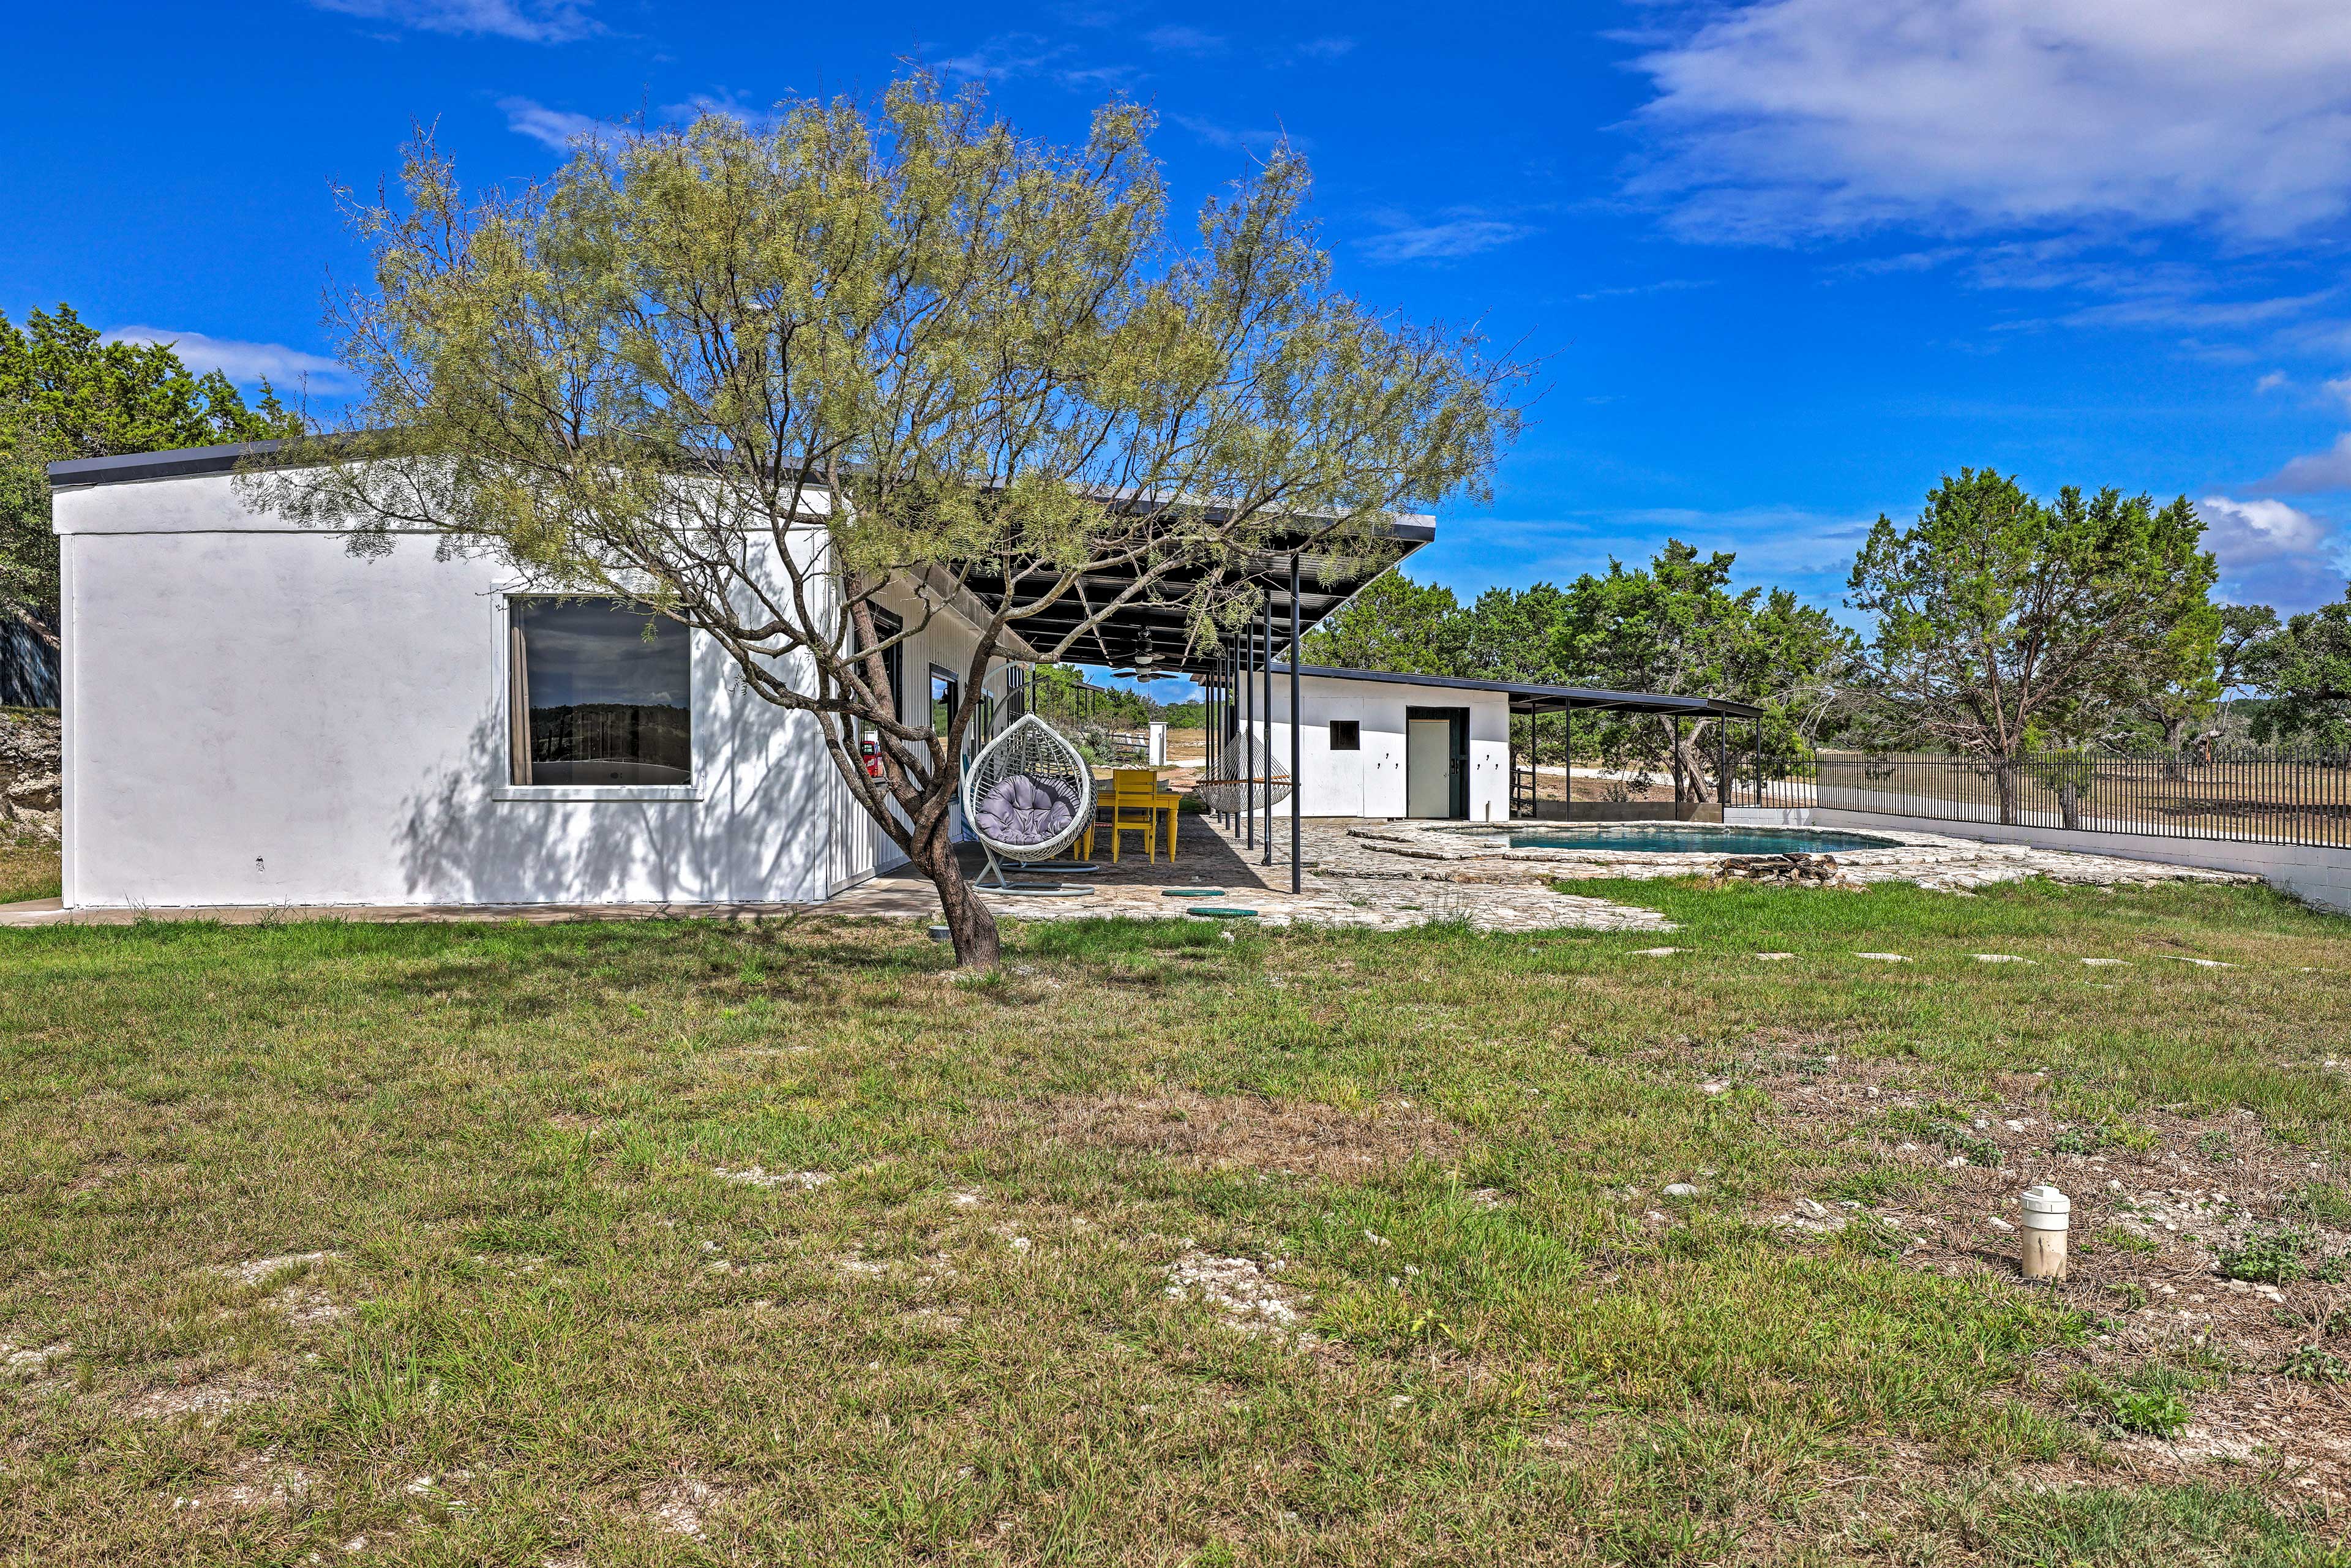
{"type": "Point", "coordinates": [1722, 762]}
{"type": "Point", "coordinates": [1208, 726]}
{"type": "Point", "coordinates": [1297, 779]}
{"type": "Point", "coordinates": [1249, 742]}
{"type": "Point", "coordinates": [1224, 727]}
{"type": "Point", "coordinates": [1268, 730]}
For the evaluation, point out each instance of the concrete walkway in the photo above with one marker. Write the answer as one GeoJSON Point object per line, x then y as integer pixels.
{"type": "Point", "coordinates": [1375, 875]}
{"type": "Point", "coordinates": [1208, 857]}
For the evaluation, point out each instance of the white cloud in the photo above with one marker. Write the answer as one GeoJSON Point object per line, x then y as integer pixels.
{"type": "Point", "coordinates": [1233, 137]}
{"type": "Point", "coordinates": [1326, 48]}
{"type": "Point", "coordinates": [2272, 382]}
{"type": "Point", "coordinates": [1010, 54]}
{"type": "Point", "coordinates": [1184, 40]}
{"type": "Point", "coordinates": [2195, 314]}
{"type": "Point", "coordinates": [1003, 57]}
{"type": "Point", "coordinates": [2271, 553]}
{"type": "Point", "coordinates": [1784, 118]}
{"type": "Point", "coordinates": [2327, 470]}
{"type": "Point", "coordinates": [528, 21]}
{"type": "Point", "coordinates": [240, 362]}
{"type": "Point", "coordinates": [555, 128]}
{"type": "Point", "coordinates": [1462, 231]}
{"type": "Point", "coordinates": [1662, 286]}
{"type": "Point", "coordinates": [1771, 541]}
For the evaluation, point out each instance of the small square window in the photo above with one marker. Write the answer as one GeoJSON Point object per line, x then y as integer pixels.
{"type": "Point", "coordinates": [600, 694]}
{"type": "Point", "coordinates": [1346, 735]}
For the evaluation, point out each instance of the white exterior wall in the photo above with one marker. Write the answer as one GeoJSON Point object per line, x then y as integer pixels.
{"type": "Point", "coordinates": [1371, 782]}
{"type": "Point", "coordinates": [252, 715]}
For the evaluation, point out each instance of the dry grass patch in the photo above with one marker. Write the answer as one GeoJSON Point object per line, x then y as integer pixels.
{"type": "Point", "coordinates": [1279, 1138]}
{"type": "Point", "coordinates": [29, 868]}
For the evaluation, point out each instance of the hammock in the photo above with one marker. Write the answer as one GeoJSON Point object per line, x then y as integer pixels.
{"type": "Point", "coordinates": [1241, 779]}
{"type": "Point", "coordinates": [1026, 796]}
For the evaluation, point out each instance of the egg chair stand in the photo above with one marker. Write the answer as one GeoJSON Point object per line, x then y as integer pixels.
{"type": "Point", "coordinates": [1028, 796]}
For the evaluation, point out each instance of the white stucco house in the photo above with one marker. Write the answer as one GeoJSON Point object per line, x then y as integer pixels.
{"type": "Point", "coordinates": [1371, 744]}
{"type": "Point", "coordinates": [256, 715]}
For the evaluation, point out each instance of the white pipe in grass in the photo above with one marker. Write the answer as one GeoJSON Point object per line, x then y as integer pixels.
{"type": "Point", "coordinates": [2048, 1215]}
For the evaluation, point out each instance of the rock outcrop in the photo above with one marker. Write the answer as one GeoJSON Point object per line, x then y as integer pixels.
{"type": "Point", "coordinates": [31, 790]}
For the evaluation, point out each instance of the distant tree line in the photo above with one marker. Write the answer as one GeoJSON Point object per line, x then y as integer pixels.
{"type": "Point", "coordinates": [1676, 626]}
{"type": "Point", "coordinates": [66, 392]}
{"type": "Point", "coordinates": [2000, 624]}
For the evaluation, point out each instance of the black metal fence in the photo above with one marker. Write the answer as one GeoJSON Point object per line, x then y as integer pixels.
{"type": "Point", "coordinates": [2264, 796]}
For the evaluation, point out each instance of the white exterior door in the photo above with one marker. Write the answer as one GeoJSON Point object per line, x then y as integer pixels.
{"type": "Point", "coordinates": [1428, 768]}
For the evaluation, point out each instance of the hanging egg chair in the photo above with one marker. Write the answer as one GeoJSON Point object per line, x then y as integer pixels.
{"type": "Point", "coordinates": [1245, 776]}
{"type": "Point", "coordinates": [1028, 795]}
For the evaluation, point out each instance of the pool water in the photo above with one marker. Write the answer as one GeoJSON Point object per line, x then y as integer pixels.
{"type": "Point", "coordinates": [1689, 839]}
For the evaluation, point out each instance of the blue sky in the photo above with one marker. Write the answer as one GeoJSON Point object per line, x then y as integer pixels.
{"type": "Point", "coordinates": [1784, 261]}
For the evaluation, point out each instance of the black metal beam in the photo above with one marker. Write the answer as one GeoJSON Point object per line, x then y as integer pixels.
{"type": "Point", "coordinates": [1269, 731]}
{"type": "Point", "coordinates": [1297, 775]}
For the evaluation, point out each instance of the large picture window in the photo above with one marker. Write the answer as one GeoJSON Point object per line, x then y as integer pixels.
{"type": "Point", "coordinates": [600, 694]}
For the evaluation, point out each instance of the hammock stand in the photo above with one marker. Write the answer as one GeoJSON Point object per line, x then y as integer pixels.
{"type": "Point", "coordinates": [1247, 775]}
{"type": "Point", "coordinates": [1028, 796]}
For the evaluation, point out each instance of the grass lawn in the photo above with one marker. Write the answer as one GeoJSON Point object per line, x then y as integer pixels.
{"type": "Point", "coordinates": [29, 868]}
{"type": "Point", "coordinates": [687, 1243]}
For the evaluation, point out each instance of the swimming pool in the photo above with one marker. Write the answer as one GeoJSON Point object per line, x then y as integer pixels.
{"type": "Point", "coordinates": [1698, 839]}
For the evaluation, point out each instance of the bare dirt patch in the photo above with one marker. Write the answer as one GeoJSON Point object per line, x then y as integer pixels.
{"type": "Point", "coordinates": [257, 1483]}
{"type": "Point", "coordinates": [1285, 1137]}
{"type": "Point", "coordinates": [759, 1176]}
{"type": "Point", "coordinates": [209, 1399]}
{"type": "Point", "coordinates": [2167, 1211]}
{"type": "Point", "coordinates": [677, 1504]}
{"type": "Point", "coordinates": [1247, 1296]}
{"type": "Point", "coordinates": [23, 1361]}
{"type": "Point", "coordinates": [253, 1270]}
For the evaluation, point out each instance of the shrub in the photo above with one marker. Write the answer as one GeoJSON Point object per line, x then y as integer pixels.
{"type": "Point", "coordinates": [2158, 1415]}
{"type": "Point", "coordinates": [2276, 1258]}
{"type": "Point", "coordinates": [2080, 1141]}
{"type": "Point", "coordinates": [2309, 1363]}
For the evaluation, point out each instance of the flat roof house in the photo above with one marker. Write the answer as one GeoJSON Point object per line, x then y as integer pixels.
{"type": "Point", "coordinates": [255, 715]}
{"type": "Point", "coordinates": [1375, 744]}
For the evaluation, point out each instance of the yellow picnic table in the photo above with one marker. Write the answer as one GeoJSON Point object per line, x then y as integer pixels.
{"type": "Point", "coordinates": [1163, 802]}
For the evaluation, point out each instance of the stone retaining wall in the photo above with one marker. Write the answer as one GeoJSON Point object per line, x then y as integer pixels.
{"type": "Point", "coordinates": [31, 788]}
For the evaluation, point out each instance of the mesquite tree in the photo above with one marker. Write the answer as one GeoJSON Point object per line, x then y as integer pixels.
{"type": "Point", "coordinates": [1676, 626]}
{"type": "Point", "coordinates": [754, 378]}
{"type": "Point", "coordinates": [2004, 622]}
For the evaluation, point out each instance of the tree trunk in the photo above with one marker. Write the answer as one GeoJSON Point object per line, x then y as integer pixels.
{"type": "Point", "coordinates": [2069, 803]}
{"type": "Point", "coordinates": [971, 924]}
{"type": "Point", "coordinates": [2005, 773]}
{"type": "Point", "coordinates": [1691, 764]}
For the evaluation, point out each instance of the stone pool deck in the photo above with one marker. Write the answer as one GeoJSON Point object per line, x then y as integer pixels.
{"type": "Point", "coordinates": [1459, 853]}
{"type": "Point", "coordinates": [1387, 875]}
